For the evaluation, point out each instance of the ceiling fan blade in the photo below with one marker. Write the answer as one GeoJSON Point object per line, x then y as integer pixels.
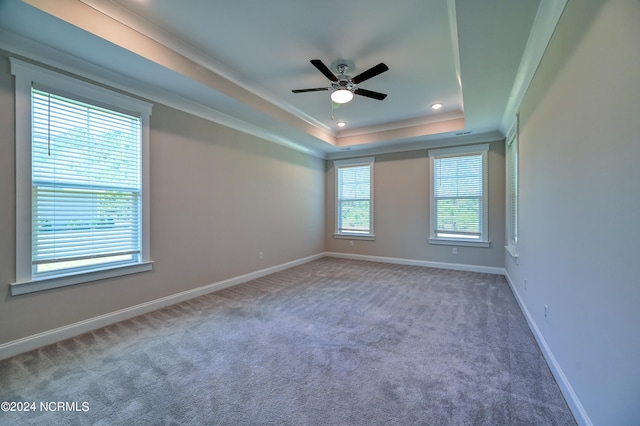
{"type": "Point", "coordinates": [323, 69]}
{"type": "Point", "coordinates": [371, 72]}
{"type": "Point", "coordinates": [317, 89]}
{"type": "Point", "coordinates": [370, 94]}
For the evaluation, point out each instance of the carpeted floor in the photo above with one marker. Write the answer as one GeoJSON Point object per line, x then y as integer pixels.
{"type": "Point", "coordinates": [331, 342]}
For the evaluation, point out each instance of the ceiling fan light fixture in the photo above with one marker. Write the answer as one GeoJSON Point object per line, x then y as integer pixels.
{"type": "Point", "coordinates": [341, 96]}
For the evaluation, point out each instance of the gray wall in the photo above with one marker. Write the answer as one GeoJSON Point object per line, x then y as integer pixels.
{"type": "Point", "coordinates": [580, 205]}
{"type": "Point", "coordinates": [218, 197]}
{"type": "Point", "coordinates": [401, 212]}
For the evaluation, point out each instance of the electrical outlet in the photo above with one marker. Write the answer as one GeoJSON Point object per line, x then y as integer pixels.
{"type": "Point", "coordinates": [455, 250]}
{"type": "Point", "coordinates": [350, 243]}
{"type": "Point", "coordinates": [260, 255]}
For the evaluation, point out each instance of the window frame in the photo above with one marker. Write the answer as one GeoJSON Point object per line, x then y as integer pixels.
{"type": "Point", "coordinates": [26, 75]}
{"type": "Point", "coordinates": [354, 162]}
{"type": "Point", "coordinates": [512, 185]}
{"type": "Point", "coordinates": [460, 151]}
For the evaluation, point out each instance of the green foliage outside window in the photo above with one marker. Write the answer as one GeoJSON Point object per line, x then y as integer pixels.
{"type": "Point", "coordinates": [354, 215]}
{"type": "Point", "coordinates": [462, 215]}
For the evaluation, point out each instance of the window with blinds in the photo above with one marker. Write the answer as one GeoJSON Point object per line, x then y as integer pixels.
{"type": "Point", "coordinates": [82, 180]}
{"type": "Point", "coordinates": [458, 194]}
{"type": "Point", "coordinates": [86, 185]}
{"type": "Point", "coordinates": [512, 189]}
{"type": "Point", "coordinates": [354, 197]}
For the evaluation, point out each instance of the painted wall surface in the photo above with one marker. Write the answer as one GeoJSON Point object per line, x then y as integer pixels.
{"type": "Point", "coordinates": [401, 212]}
{"type": "Point", "coordinates": [579, 238]}
{"type": "Point", "coordinates": [218, 198]}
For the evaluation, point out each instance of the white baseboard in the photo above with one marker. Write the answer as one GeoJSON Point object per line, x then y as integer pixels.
{"type": "Point", "coordinates": [35, 341]}
{"type": "Point", "coordinates": [567, 390]}
{"type": "Point", "coordinates": [16, 347]}
{"type": "Point", "coordinates": [426, 263]}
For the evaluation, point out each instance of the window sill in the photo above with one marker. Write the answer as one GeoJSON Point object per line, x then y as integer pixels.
{"type": "Point", "coordinates": [513, 251]}
{"type": "Point", "coordinates": [368, 237]}
{"type": "Point", "coordinates": [33, 286]}
{"type": "Point", "coordinates": [459, 243]}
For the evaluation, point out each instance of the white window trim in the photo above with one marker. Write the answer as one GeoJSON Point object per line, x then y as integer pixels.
{"type": "Point", "coordinates": [457, 151]}
{"type": "Point", "coordinates": [25, 75]}
{"type": "Point", "coordinates": [363, 161]}
{"type": "Point", "coordinates": [512, 234]}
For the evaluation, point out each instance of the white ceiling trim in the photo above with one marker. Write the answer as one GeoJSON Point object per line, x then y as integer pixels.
{"type": "Point", "coordinates": [118, 25]}
{"type": "Point", "coordinates": [453, 26]}
{"type": "Point", "coordinates": [423, 130]}
{"type": "Point", "coordinates": [95, 22]}
{"type": "Point", "coordinates": [147, 29]}
{"type": "Point", "coordinates": [53, 58]}
{"type": "Point", "coordinates": [544, 25]}
{"type": "Point", "coordinates": [429, 142]}
{"type": "Point", "coordinates": [125, 17]}
{"type": "Point", "coordinates": [453, 116]}
{"type": "Point", "coordinates": [169, 68]}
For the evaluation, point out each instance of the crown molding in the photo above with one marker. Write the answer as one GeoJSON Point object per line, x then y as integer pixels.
{"type": "Point", "coordinates": [544, 25]}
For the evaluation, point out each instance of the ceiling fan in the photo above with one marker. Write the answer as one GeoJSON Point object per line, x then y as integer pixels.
{"type": "Point", "coordinates": [344, 87]}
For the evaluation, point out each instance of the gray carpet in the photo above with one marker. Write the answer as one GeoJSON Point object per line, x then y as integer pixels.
{"type": "Point", "coordinates": [331, 342]}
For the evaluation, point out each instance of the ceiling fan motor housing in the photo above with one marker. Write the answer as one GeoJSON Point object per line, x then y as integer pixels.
{"type": "Point", "coordinates": [344, 81]}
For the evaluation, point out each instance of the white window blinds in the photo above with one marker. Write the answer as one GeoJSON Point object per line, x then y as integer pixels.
{"type": "Point", "coordinates": [512, 188]}
{"type": "Point", "coordinates": [86, 185]}
{"type": "Point", "coordinates": [458, 196]}
{"type": "Point", "coordinates": [354, 199]}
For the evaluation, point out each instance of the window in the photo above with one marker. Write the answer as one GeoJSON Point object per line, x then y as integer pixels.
{"type": "Point", "coordinates": [354, 198]}
{"type": "Point", "coordinates": [512, 189]}
{"type": "Point", "coordinates": [459, 195]}
{"type": "Point", "coordinates": [81, 197]}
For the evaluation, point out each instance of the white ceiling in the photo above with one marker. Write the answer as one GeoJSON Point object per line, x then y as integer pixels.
{"type": "Point", "coordinates": [236, 62]}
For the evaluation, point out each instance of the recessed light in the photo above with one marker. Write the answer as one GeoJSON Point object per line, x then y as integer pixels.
{"type": "Point", "coordinates": [437, 105]}
{"type": "Point", "coordinates": [341, 124]}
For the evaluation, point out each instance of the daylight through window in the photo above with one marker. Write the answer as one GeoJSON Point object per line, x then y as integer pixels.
{"type": "Point", "coordinates": [85, 183]}
{"type": "Point", "coordinates": [354, 197]}
{"type": "Point", "coordinates": [459, 194]}
{"type": "Point", "coordinates": [82, 198]}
